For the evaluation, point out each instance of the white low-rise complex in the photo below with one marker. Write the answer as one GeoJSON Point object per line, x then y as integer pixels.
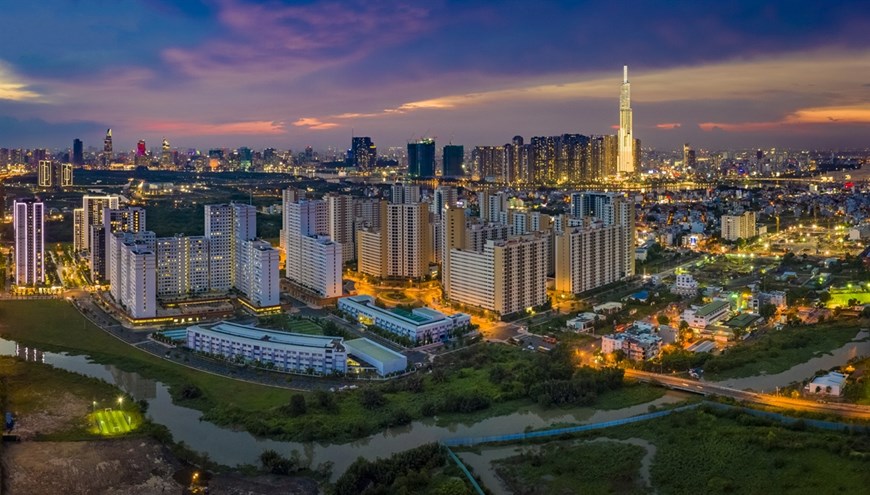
{"type": "Point", "coordinates": [289, 352]}
{"type": "Point", "coordinates": [418, 325]}
{"type": "Point", "coordinates": [700, 318]}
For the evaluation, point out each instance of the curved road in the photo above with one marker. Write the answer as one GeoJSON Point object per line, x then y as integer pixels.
{"type": "Point", "coordinates": [706, 388]}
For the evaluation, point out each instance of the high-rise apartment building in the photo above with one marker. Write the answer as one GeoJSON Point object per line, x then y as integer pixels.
{"type": "Point", "coordinates": [221, 242]}
{"type": "Point", "coordinates": [28, 221]}
{"type": "Point", "coordinates": [452, 160]}
{"type": "Point", "coordinates": [442, 197]}
{"type": "Point", "coordinates": [340, 220]}
{"type": "Point", "coordinates": [421, 158]}
{"type": "Point", "coordinates": [182, 266]}
{"type": "Point", "coordinates": [314, 261]}
{"type": "Point", "coordinates": [489, 162]}
{"type": "Point", "coordinates": [739, 226]}
{"type": "Point", "coordinates": [404, 193]}
{"type": "Point", "coordinates": [590, 256]}
{"type": "Point", "coordinates": [138, 280]}
{"type": "Point", "coordinates": [408, 240]}
{"type": "Point", "coordinates": [130, 219]}
{"type": "Point", "coordinates": [611, 209]}
{"type": "Point", "coordinates": [92, 216]}
{"type": "Point", "coordinates": [507, 276]}
{"type": "Point", "coordinates": [363, 153]}
{"type": "Point", "coordinates": [44, 173]}
{"type": "Point", "coordinates": [627, 154]}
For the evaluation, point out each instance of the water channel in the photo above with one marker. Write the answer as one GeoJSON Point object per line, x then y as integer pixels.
{"type": "Point", "coordinates": [231, 447]}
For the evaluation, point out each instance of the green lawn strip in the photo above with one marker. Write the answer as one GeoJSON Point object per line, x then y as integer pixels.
{"type": "Point", "coordinates": [565, 467]}
{"type": "Point", "coordinates": [777, 351]}
{"type": "Point", "coordinates": [842, 298]}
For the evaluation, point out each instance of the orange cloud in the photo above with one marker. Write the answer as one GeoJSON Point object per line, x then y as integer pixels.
{"type": "Point", "coordinates": [205, 129]}
{"type": "Point", "coordinates": [314, 123]}
{"type": "Point", "coordinates": [11, 88]}
{"type": "Point", "coordinates": [850, 115]}
{"type": "Point", "coordinates": [669, 126]}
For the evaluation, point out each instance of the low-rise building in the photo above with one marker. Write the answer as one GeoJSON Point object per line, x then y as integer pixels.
{"type": "Point", "coordinates": [831, 384]}
{"type": "Point", "coordinates": [700, 318]}
{"type": "Point", "coordinates": [419, 325]}
{"type": "Point", "coordinates": [639, 342]}
{"type": "Point", "coordinates": [289, 352]}
{"type": "Point", "coordinates": [584, 322]}
{"type": "Point", "coordinates": [775, 297]}
{"type": "Point", "coordinates": [366, 353]}
{"type": "Point", "coordinates": [685, 286]}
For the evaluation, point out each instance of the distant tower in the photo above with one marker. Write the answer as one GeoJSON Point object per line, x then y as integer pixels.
{"type": "Point", "coordinates": [78, 157]}
{"type": "Point", "coordinates": [108, 153]}
{"type": "Point", "coordinates": [421, 158]}
{"type": "Point", "coordinates": [165, 155]}
{"type": "Point", "coordinates": [626, 136]}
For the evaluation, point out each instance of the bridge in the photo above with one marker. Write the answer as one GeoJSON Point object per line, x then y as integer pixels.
{"type": "Point", "coordinates": [674, 382]}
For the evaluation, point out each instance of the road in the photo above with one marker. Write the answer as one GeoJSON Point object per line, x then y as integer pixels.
{"type": "Point", "coordinates": [706, 388]}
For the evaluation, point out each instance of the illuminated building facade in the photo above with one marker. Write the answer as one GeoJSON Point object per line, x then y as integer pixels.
{"type": "Point", "coordinates": [28, 220]}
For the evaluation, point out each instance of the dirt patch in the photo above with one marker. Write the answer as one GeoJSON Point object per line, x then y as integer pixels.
{"type": "Point", "coordinates": [130, 466]}
{"type": "Point", "coordinates": [66, 411]}
{"type": "Point", "coordinates": [232, 484]}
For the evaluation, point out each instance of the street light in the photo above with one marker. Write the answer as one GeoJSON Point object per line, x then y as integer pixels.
{"type": "Point", "coordinates": [120, 402]}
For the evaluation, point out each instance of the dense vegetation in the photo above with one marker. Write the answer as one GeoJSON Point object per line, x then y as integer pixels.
{"type": "Point", "coordinates": [713, 451]}
{"type": "Point", "coordinates": [423, 470]}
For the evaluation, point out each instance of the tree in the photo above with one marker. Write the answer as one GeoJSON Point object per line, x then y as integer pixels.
{"type": "Point", "coordinates": [297, 406]}
{"type": "Point", "coordinates": [767, 310]}
{"type": "Point", "coordinates": [825, 296]}
{"type": "Point", "coordinates": [371, 398]}
{"type": "Point", "coordinates": [663, 320]}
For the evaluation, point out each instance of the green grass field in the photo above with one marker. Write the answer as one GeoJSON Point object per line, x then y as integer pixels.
{"type": "Point", "coordinates": [112, 422]}
{"type": "Point", "coordinates": [842, 298]}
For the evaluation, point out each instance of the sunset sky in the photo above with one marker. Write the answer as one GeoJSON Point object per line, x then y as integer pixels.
{"type": "Point", "coordinates": [288, 74]}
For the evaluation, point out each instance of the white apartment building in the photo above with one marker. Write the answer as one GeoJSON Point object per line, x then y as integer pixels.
{"type": "Point", "coordinates": [115, 270]}
{"type": "Point", "coordinates": [590, 257]}
{"type": "Point", "coordinates": [288, 352]}
{"type": "Point", "coordinates": [685, 285]}
{"type": "Point", "coordinates": [259, 268]}
{"type": "Point", "coordinates": [700, 318]}
{"type": "Point", "coordinates": [28, 221]}
{"type": "Point", "coordinates": [219, 232]}
{"type": "Point", "coordinates": [138, 280]}
{"type": "Point", "coordinates": [182, 266]}
{"type": "Point", "coordinates": [78, 229]}
{"type": "Point", "coordinates": [371, 252]}
{"type": "Point", "coordinates": [314, 260]}
{"type": "Point", "coordinates": [405, 194]}
{"type": "Point", "coordinates": [738, 226]}
{"type": "Point", "coordinates": [506, 276]}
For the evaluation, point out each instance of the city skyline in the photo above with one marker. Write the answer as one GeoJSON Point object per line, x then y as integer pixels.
{"type": "Point", "coordinates": [202, 74]}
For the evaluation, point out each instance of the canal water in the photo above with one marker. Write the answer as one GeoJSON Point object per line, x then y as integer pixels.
{"type": "Point", "coordinates": [230, 447]}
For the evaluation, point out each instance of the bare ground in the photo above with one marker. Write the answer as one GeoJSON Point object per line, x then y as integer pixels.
{"type": "Point", "coordinates": [66, 411]}
{"type": "Point", "coordinates": [123, 466]}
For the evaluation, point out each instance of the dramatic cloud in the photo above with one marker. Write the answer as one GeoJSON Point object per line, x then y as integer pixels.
{"type": "Point", "coordinates": [855, 115]}
{"type": "Point", "coordinates": [11, 88]}
{"type": "Point", "coordinates": [222, 129]}
{"type": "Point", "coordinates": [315, 124]}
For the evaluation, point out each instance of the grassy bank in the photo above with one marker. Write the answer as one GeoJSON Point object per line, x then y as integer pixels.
{"type": "Point", "coordinates": [777, 351]}
{"type": "Point", "coordinates": [484, 381]}
{"type": "Point", "coordinates": [706, 452]}
{"type": "Point", "coordinates": [600, 467]}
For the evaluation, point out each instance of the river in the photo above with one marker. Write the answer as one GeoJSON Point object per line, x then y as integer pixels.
{"type": "Point", "coordinates": [859, 346]}
{"type": "Point", "coordinates": [230, 447]}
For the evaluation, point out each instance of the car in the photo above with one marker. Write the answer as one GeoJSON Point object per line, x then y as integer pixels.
{"type": "Point", "coordinates": [530, 347]}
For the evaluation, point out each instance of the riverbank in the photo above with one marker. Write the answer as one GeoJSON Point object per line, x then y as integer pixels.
{"type": "Point", "coordinates": [486, 381]}
{"type": "Point", "coordinates": [693, 451]}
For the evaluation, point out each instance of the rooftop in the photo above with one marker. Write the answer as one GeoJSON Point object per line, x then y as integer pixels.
{"type": "Point", "coordinates": [274, 336]}
{"type": "Point", "coordinates": [372, 349]}
{"type": "Point", "coordinates": [832, 379]}
{"type": "Point", "coordinates": [713, 307]}
{"type": "Point", "coordinates": [742, 320]}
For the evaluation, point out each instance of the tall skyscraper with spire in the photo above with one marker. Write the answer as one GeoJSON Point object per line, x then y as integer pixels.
{"type": "Point", "coordinates": [625, 164]}
{"type": "Point", "coordinates": [108, 153]}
